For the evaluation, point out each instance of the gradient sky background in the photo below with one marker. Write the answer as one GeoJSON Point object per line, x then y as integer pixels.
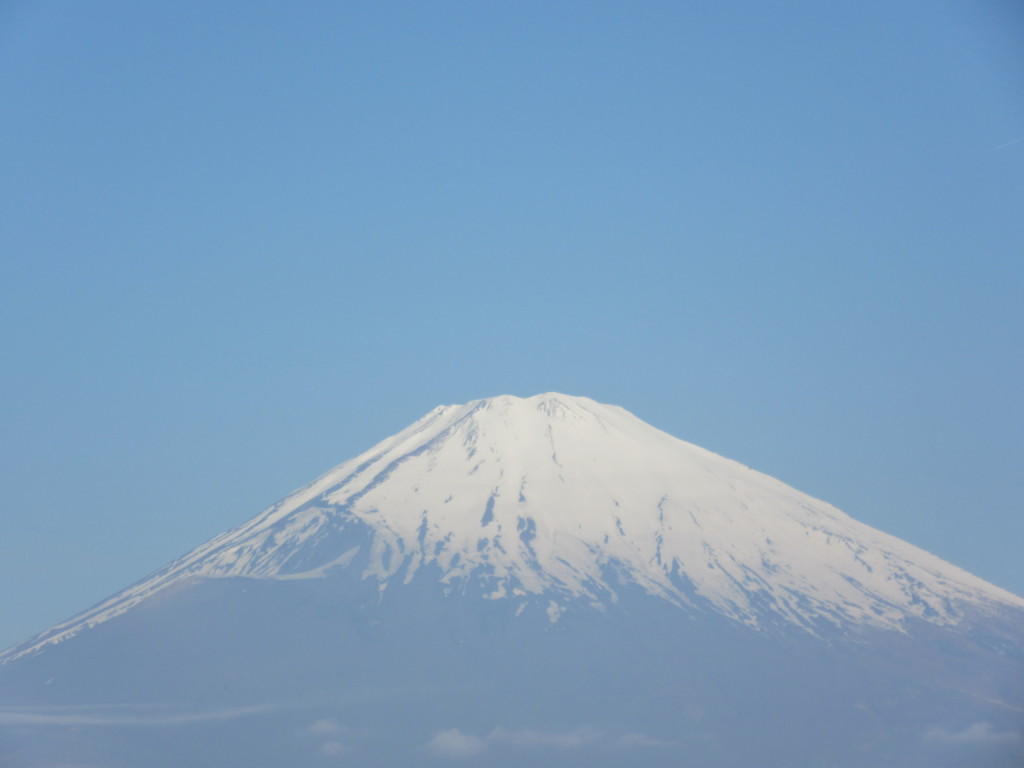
{"type": "Point", "coordinates": [241, 242]}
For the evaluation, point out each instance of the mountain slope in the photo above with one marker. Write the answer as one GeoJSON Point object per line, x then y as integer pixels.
{"type": "Point", "coordinates": [545, 493]}
{"type": "Point", "coordinates": [546, 574]}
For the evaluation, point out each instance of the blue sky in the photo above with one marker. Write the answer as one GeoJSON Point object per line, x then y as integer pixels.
{"type": "Point", "coordinates": [242, 242]}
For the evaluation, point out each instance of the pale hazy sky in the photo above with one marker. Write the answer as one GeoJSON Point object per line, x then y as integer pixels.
{"type": "Point", "coordinates": [241, 242]}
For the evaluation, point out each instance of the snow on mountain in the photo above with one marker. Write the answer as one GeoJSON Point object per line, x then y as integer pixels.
{"type": "Point", "coordinates": [561, 499]}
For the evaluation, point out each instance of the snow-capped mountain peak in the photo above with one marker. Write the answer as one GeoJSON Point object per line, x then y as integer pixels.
{"type": "Point", "coordinates": [554, 499]}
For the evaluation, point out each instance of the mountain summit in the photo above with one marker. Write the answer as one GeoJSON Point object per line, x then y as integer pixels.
{"type": "Point", "coordinates": [538, 533]}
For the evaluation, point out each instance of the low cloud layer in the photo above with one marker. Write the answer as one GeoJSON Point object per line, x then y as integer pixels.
{"type": "Point", "coordinates": [330, 731]}
{"type": "Point", "coordinates": [332, 748]}
{"type": "Point", "coordinates": [532, 738]}
{"type": "Point", "coordinates": [70, 717]}
{"type": "Point", "coordinates": [456, 744]}
{"type": "Point", "coordinates": [324, 727]}
{"type": "Point", "coordinates": [641, 740]}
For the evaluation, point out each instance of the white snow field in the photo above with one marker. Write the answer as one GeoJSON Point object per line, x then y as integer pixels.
{"type": "Point", "coordinates": [539, 495]}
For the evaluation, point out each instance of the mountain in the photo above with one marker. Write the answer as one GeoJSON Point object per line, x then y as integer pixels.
{"type": "Point", "coordinates": [546, 580]}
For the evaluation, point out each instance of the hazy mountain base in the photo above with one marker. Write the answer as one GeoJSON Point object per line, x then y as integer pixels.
{"type": "Point", "coordinates": [233, 672]}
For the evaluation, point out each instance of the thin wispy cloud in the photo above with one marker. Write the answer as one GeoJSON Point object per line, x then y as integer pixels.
{"type": "Point", "coordinates": [979, 734]}
{"type": "Point", "coordinates": [324, 727]}
{"type": "Point", "coordinates": [1010, 143]}
{"type": "Point", "coordinates": [78, 718]}
{"type": "Point", "coordinates": [531, 738]}
{"type": "Point", "coordinates": [642, 740]}
{"type": "Point", "coordinates": [331, 748]}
